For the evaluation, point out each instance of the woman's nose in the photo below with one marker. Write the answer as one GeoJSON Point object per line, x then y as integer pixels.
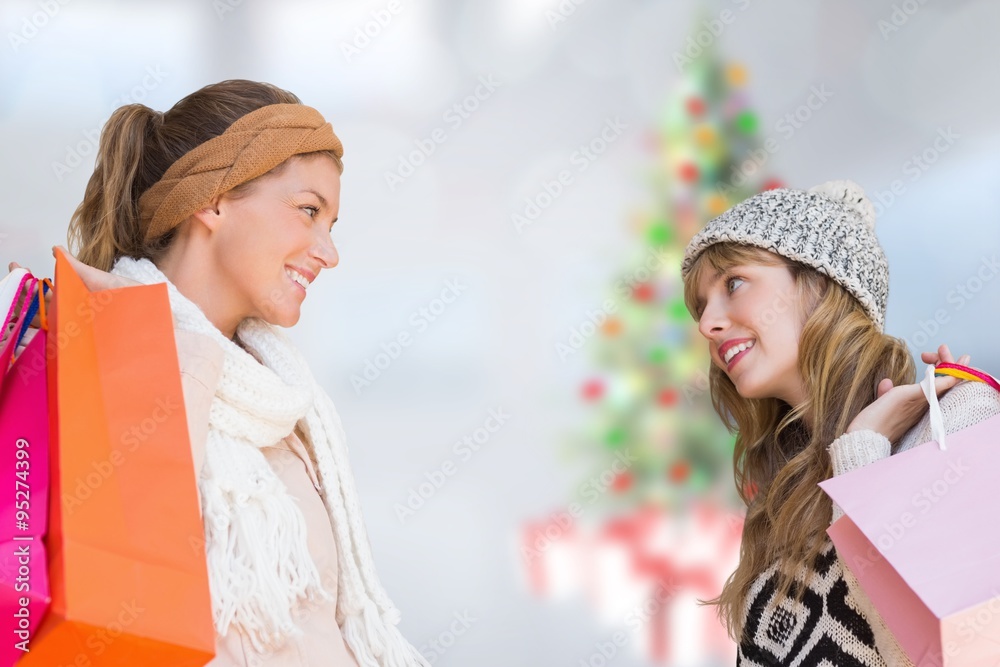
{"type": "Point", "coordinates": [326, 252]}
{"type": "Point", "coordinates": [711, 321]}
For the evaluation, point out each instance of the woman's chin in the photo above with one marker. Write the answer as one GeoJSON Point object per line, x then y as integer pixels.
{"type": "Point", "coordinates": [748, 391]}
{"type": "Point", "coordinates": [278, 309]}
{"type": "Point", "coordinates": [288, 320]}
{"type": "Point", "coordinates": [281, 317]}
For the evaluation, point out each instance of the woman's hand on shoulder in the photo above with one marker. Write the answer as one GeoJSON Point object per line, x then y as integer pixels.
{"type": "Point", "coordinates": [94, 278]}
{"type": "Point", "coordinates": [896, 410]}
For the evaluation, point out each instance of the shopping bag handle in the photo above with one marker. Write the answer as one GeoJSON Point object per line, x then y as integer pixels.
{"type": "Point", "coordinates": [37, 304]}
{"type": "Point", "coordinates": [960, 371]}
{"type": "Point", "coordinates": [966, 373]}
{"type": "Point", "coordinates": [937, 420]}
{"type": "Point", "coordinates": [18, 321]}
{"type": "Point", "coordinates": [45, 319]}
{"type": "Point", "coordinates": [27, 281]}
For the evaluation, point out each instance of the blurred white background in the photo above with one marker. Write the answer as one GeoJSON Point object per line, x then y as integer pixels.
{"type": "Point", "coordinates": [891, 95]}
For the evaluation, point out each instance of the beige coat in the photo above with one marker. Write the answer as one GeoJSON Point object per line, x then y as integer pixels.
{"type": "Point", "coordinates": [321, 643]}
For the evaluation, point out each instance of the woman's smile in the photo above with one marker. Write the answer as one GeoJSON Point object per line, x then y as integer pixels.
{"type": "Point", "coordinates": [739, 355]}
{"type": "Point", "coordinates": [297, 286]}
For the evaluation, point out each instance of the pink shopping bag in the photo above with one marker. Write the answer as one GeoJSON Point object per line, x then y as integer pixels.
{"type": "Point", "coordinates": [920, 535]}
{"type": "Point", "coordinates": [24, 472]}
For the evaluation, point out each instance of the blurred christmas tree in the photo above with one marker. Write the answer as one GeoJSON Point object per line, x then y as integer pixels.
{"type": "Point", "coordinates": [656, 523]}
{"type": "Point", "coordinates": [654, 437]}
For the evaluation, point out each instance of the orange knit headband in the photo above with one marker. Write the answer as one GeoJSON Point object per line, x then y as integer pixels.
{"type": "Point", "coordinates": [252, 146]}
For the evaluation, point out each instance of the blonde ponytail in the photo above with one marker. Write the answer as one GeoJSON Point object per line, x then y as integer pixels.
{"type": "Point", "coordinates": [106, 223]}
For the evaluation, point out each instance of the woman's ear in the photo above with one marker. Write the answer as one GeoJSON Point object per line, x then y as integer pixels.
{"type": "Point", "coordinates": [210, 215]}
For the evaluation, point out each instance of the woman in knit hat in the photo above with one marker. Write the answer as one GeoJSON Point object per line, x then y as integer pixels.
{"type": "Point", "coordinates": [230, 198]}
{"type": "Point", "coordinates": [790, 289]}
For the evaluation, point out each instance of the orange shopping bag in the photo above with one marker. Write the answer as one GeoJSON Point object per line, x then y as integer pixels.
{"type": "Point", "coordinates": [127, 564]}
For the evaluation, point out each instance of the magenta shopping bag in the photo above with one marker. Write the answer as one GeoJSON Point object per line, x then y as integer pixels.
{"type": "Point", "coordinates": [920, 535]}
{"type": "Point", "coordinates": [24, 470]}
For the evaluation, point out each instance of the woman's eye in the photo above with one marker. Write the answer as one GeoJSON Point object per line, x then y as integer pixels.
{"type": "Point", "coordinates": [729, 281]}
{"type": "Point", "coordinates": [314, 210]}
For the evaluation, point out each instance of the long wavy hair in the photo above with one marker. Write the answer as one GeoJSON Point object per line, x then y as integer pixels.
{"type": "Point", "coordinates": [138, 145]}
{"type": "Point", "coordinates": [781, 452]}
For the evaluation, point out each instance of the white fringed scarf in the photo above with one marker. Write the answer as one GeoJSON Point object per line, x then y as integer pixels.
{"type": "Point", "coordinates": [259, 564]}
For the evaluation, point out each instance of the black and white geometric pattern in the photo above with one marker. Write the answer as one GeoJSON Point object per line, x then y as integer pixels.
{"type": "Point", "coordinates": [825, 629]}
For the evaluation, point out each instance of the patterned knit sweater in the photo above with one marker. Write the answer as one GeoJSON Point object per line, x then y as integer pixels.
{"type": "Point", "coordinates": [836, 625]}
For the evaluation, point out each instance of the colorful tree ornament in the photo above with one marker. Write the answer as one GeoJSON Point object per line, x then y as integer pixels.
{"type": "Point", "coordinates": [612, 326]}
{"type": "Point", "coordinates": [622, 482]}
{"type": "Point", "coordinates": [678, 311]}
{"type": "Point", "coordinates": [615, 437]}
{"type": "Point", "coordinates": [705, 135]}
{"type": "Point", "coordinates": [643, 292]}
{"type": "Point", "coordinates": [746, 121]}
{"type": "Point", "coordinates": [716, 204]}
{"type": "Point", "coordinates": [679, 472]}
{"type": "Point", "coordinates": [736, 75]}
{"type": "Point", "coordinates": [695, 106]}
{"type": "Point", "coordinates": [592, 390]}
{"type": "Point", "coordinates": [667, 397]}
{"type": "Point", "coordinates": [658, 355]}
{"type": "Point", "coordinates": [689, 172]}
{"type": "Point", "coordinates": [659, 233]}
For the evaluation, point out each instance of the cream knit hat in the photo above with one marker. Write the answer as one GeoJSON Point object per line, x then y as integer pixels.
{"type": "Point", "coordinates": [830, 227]}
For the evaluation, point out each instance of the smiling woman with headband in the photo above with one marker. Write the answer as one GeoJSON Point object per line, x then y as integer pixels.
{"type": "Point", "coordinates": [229, 198]}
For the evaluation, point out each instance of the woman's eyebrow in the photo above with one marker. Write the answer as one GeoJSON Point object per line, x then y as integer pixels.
{"type": "Point", "coordinates": [322, 199]}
